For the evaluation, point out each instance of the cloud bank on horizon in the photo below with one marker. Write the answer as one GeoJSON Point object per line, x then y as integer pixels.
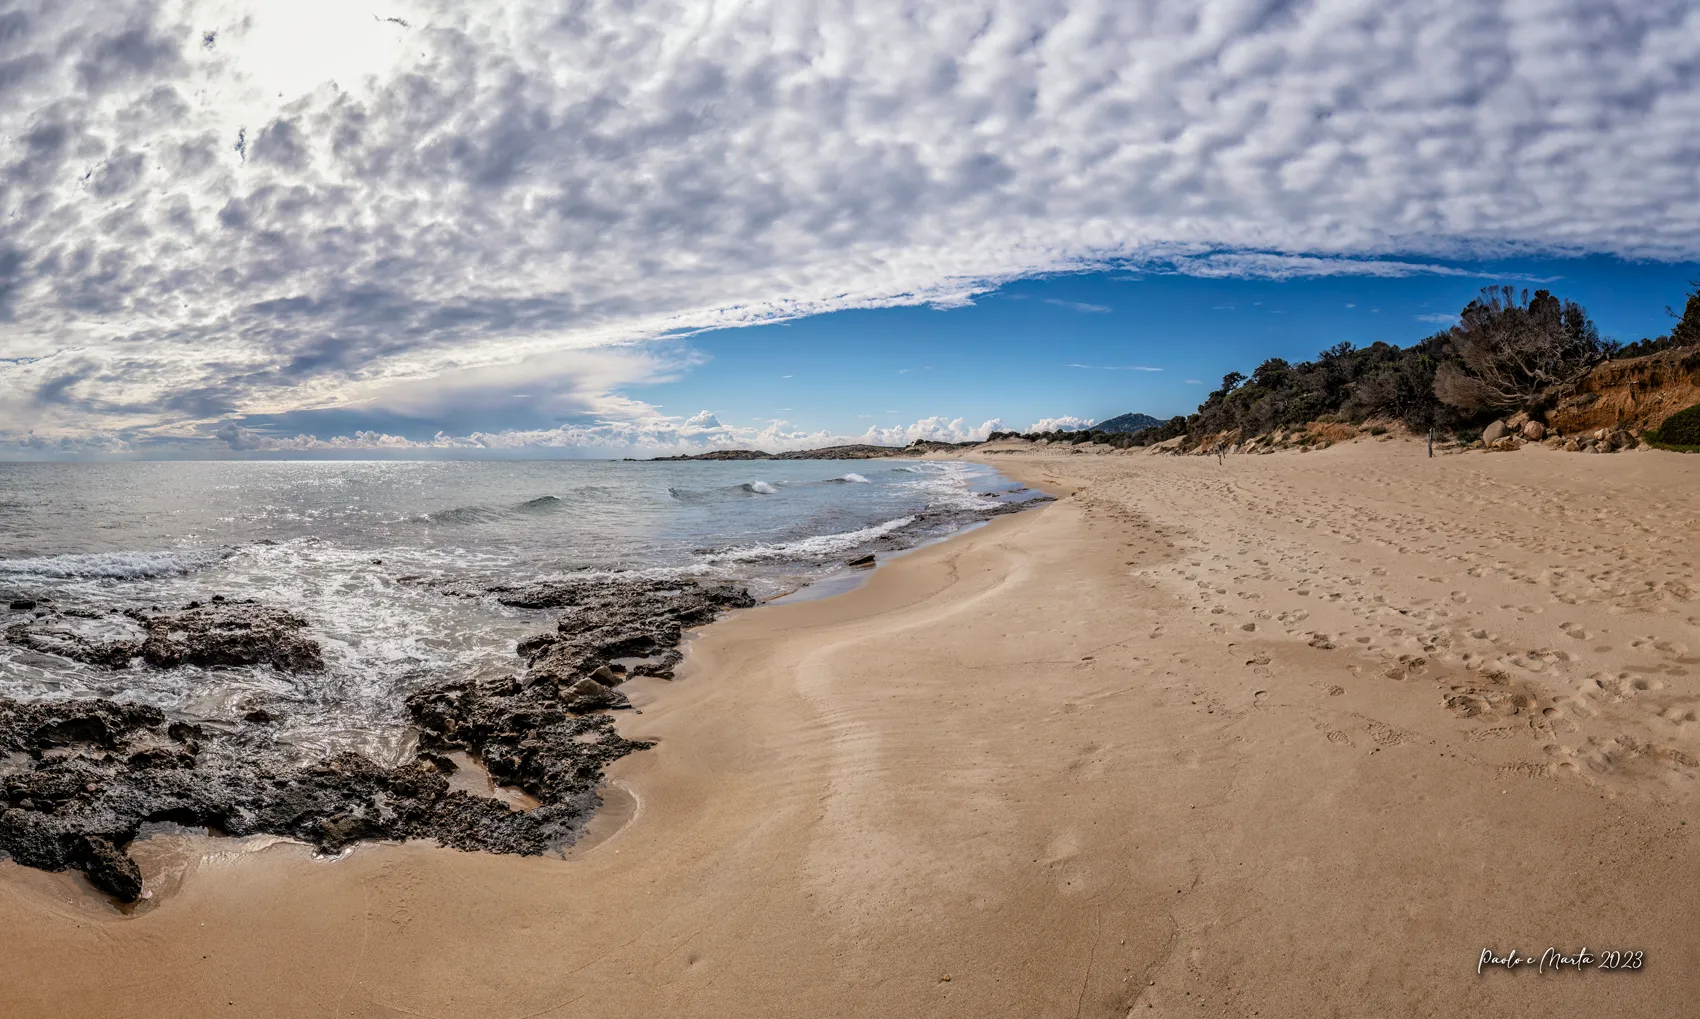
{"type": "Point", "coordinates": [256, 224]}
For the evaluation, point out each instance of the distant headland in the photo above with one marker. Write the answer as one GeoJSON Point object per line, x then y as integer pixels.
{"type": "Point", "coordinates": [856, 451]}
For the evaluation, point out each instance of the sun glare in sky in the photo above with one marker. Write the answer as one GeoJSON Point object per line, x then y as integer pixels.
{"type": "Point", "coordinates": [275, 51]}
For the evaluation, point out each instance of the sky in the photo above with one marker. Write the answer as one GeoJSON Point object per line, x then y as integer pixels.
{"type": "Point", "coordinates": [545, 228]}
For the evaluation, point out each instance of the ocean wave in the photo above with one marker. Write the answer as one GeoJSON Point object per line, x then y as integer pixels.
{"type": "Point", "coordinates": [540, 504]}
{"type": "Point", "coordinates": [759, 488]}
{"type": "Point", "coordinates": [115, 565]}
{"type": "Point", "coordinates": [819, 546]}
{"type": "Point", "coordinates": [461, 515]}
{"type": "Point", "coordinates": [854, 479]}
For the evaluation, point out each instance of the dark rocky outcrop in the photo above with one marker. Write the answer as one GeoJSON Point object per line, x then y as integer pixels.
{"type": "Point", "coordinates": [608, 620]}
{"type": "Point", "coordinates": [210, 635]}
{"type": "Point", "coordinates": [79, 778]}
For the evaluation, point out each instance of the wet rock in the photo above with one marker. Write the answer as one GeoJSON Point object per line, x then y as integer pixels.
{"type": "Point", "coordinates": [589, 695]}
{"type": "Point", "coordinates": [184, 732]}
{"type": "Point", "coordinates": [21, 604]}
{"type": "Point", "coordinates": [218, 633]}
{"type": "Point", "coordinates": [224, 633]}
{"type": "Point", "coordinates": [107, 644]}
{"type": "Point", "coordinates": [608, 619]}
{"type": "Point", "coordinates": [861, 561]}
{"type": "Point", "coordinates": [109, 869]}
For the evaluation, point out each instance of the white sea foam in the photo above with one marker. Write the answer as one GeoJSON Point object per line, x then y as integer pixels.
{"type": "Point", "coordinates": [948, 484]}
{"type": "Point", "coordinates": [817, 546]}
{"type": "Point", "coordinates": [395, 605]}
{"type": "Point", "coordinates": [115, 565]}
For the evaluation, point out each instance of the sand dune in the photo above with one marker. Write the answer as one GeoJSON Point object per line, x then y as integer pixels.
{"type": "Point", "coordinates": [1283, 736]}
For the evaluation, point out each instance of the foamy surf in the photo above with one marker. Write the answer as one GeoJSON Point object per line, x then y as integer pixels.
{"type": "Point", "coordinates": [815, 547]}
{"type": "Point", "coordinates": [113, 565]}
{"type": "Point", "coordinates": [392, 565]}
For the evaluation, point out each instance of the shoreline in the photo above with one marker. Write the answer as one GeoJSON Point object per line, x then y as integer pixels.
{"type": "Point", "coordinates": [506, 766]}
{"type": "Point", "coordinates": [1127, 752]}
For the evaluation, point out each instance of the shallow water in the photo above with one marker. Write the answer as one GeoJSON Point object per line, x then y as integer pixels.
{"type": "Point", "coordinates": [388, 561]}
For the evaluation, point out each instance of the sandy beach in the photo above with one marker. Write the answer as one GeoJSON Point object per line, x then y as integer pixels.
{"type": "Point", "coordinates": [1289, 735]}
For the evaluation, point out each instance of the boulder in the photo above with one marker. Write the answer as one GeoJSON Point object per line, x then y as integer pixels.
{"type": "Point", "coordinates": [220, 633]}
{"type": "Point", "coordinates": [223, 633]}
{"type": "Point", "coordinates": [589, 695]}
{"type": "Point", "coordinates": [109, 869]}
{"type": "Point", "coordinates": [1534, 431]}
{"type": "Point", "coordinates": [1517, 420]}
{"type": "Point", "coordinates": [861, 561]}
{"type": "Point", "coordinates": [1493, 433]}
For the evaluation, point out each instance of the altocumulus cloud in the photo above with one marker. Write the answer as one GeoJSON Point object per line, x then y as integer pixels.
{"type": "Point", "coordinates": [244, 214]}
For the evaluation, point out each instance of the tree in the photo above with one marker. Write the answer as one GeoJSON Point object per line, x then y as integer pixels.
{"type": "Point", "coordinates": [1508, 348]}
{"type": "Point", "coordinates": [1687, 331]}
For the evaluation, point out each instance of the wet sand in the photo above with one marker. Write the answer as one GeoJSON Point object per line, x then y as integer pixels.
{"type": "Point", "coordinates": [1293, 735]}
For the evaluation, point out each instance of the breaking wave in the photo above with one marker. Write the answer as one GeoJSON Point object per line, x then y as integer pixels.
{"type": "Point", "coordinates": [819, 546]}
{"type": "Point", "coordinates": [115, 565]}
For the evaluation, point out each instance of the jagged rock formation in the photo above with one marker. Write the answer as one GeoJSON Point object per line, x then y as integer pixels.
{"type": "Point", "coordinates": [79, 778]}
{"type": "Point", "coordinates": [210, 635]}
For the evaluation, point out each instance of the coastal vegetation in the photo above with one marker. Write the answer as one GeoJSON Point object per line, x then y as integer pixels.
{"type": "Point", "coordinates": [1511, 353]}
{"type": "Point", "coordinates": [1680, 431]}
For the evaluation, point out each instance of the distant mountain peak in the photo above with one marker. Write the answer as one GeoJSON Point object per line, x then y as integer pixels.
{"type": "Point", "coordinates": [1128, 422]}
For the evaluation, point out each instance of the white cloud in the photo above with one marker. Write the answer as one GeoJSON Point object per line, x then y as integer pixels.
{"type": "Point", "coordinates": [653, 436]}
{"type": "Point", "coordinates": [1114, 367]}
{"type": "Point", "coordinates": [937, 429]}
{"type": "Point", "coordinates": [1065, 424]}
{"type": "Point", "coordinates": [1080, 306]}
{"type": "Point", "coordinates": [199, 233]}
{"type": "Point", "coordinates": [1439, 318]}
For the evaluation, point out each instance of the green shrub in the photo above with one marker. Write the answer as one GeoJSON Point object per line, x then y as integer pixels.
{"type": "Point", "coordinates": [1681, 428]}
{"type": "Point", "coordinates": [1377, 430]}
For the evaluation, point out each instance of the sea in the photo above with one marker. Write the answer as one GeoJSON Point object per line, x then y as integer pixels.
{"type": "Point", "coordinates": [390, 562]}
